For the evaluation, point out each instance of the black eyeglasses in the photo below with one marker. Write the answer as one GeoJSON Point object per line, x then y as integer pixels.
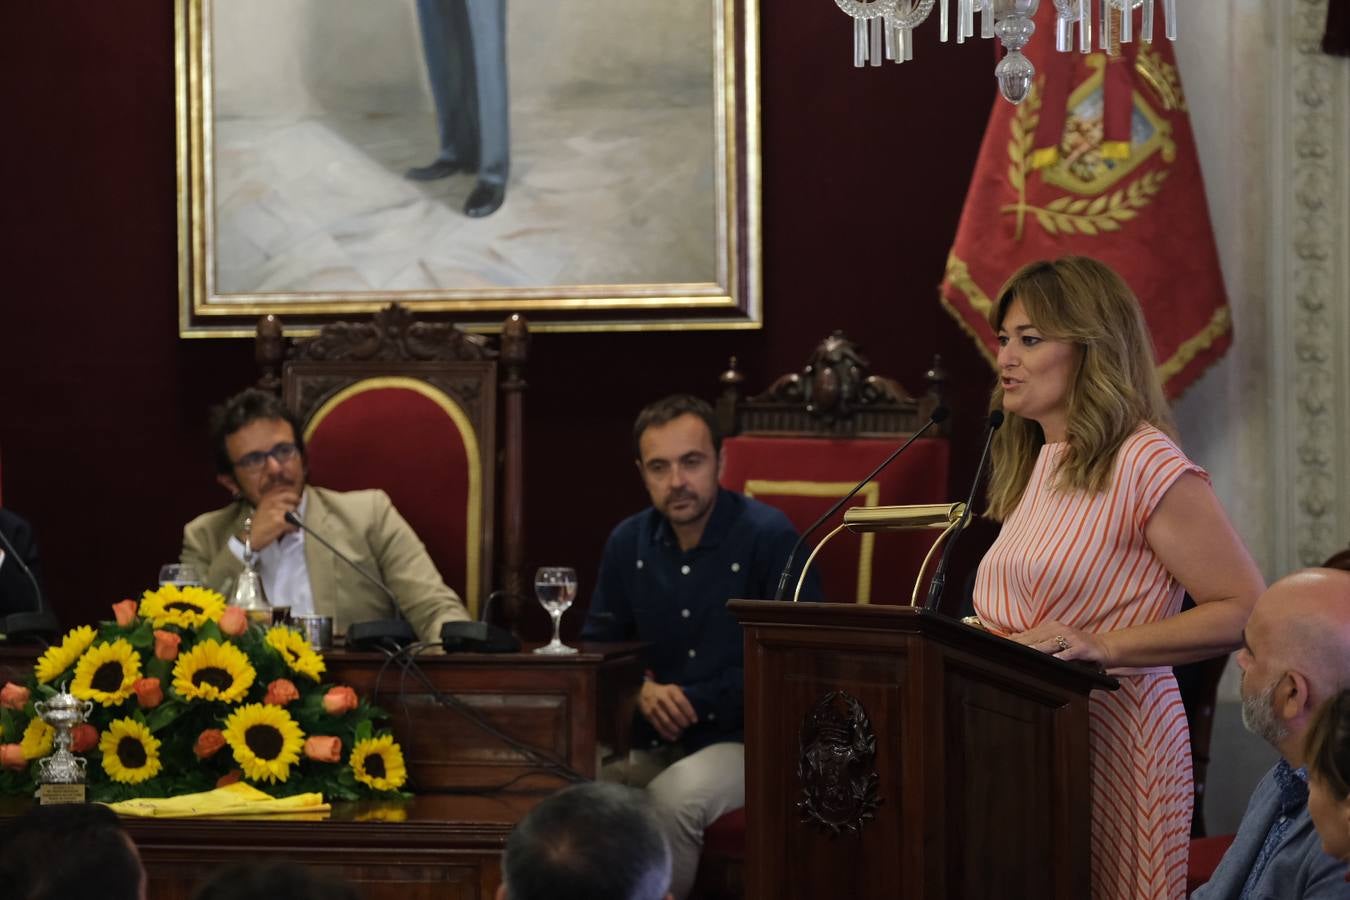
{"type": "Point", "coordinates": [252, 462]}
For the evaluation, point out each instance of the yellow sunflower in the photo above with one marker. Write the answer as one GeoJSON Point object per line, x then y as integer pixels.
{"type": "Point", "coordinates": [130, 752]}
{"type": "Point", "coordinates": [213, 671]}
{"type": "Point", "coordinates": [56, 660]}
{"type": "Point", "coordinates": [266, 741]}
{"type": "Point", "coordinates": [295, 649]}
{"type": "Point", "coordinates": [186, 607]}
{"type": "Point", "coordinates": [107, 674]}
{"type": "Point", "coordinates": [37, 739]}
{"type": "Point", "coordinates": [378, 762]}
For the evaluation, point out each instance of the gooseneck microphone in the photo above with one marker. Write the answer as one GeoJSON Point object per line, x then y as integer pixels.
{"type": "Point", "coordinates": [939, 581]}
{"type": "Point", "coordinates": [40, 623]}
{"type": "Point", "coordinates": [11, 553]}
{"type": "Point", "coordinates": [295, 520]}
{"type": "Point", "coordinates": [938, 415]}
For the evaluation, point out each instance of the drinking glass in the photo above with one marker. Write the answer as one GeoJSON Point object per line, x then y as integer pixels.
{"type": "Point", "coordinates": [180, 574]}
{"type": "Point", "coordinates": [556, 588]}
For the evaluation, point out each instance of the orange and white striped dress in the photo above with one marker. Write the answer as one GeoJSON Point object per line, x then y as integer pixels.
{"type": "Point", "coordinates": [1082, 559]}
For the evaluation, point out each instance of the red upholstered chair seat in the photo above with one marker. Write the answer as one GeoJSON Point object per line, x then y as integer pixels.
{"type": "Point", "coordinates": [804, 476]}
{"type": "Point", "coordinates": [721, 869]}
{"type": "Point", "coordinates": [415, 443]}
{"type": "Point", "coordinates": [1204, 859]}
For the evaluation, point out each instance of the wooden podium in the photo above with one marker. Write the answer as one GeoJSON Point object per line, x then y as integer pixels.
{"type": "Point", "coordinates": [895, 753]}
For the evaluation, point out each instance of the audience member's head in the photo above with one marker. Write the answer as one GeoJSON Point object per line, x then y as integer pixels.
{"type": "Point", "coordinates": [1295, 655]}
{"type": "Point", "coordinates": [258, 445]}
{"type": "Point", "coordinates": [589, 842]}
{"type": "Point", "coordinates": [273, 881]}
{"type": "Point", "coordinates": [1327, 754]}
{"type": "Point", "coordinates": [679, 454]}
{"type": "Point", "coordinates": [58, 852]}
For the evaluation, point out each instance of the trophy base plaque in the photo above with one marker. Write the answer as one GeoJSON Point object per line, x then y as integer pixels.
{"type": "Point", "coordinates": [49, 794]}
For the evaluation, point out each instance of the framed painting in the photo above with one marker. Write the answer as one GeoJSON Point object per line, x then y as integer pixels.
{"type": "Point", "coordinates": [593, 166]}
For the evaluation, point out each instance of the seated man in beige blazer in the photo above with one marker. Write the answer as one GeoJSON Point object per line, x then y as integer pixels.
{"type": "Point", "coordinates": [260, 458]}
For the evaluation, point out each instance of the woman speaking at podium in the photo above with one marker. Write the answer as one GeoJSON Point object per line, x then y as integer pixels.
{"type": "Point", "coordinates": [1105, 522]}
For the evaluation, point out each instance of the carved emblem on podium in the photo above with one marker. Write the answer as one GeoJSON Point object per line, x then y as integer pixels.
{"type": "Point", "coordinates": [837, 766]}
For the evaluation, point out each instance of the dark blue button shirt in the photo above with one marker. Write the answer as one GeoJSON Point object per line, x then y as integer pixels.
{"type": "Point", "coordinates": [651, 590]}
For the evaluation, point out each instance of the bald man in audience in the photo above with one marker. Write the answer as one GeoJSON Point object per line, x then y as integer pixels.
{"type": "Point", "coordinates": [1295, 655]}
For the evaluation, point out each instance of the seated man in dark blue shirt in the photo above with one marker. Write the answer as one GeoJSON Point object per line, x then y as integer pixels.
{"type": "Point", "coordinates": [665, 578]}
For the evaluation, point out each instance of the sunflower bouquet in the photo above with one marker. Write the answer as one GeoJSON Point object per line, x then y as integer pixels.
{"type": "Point", "coordinates": [189, 695]}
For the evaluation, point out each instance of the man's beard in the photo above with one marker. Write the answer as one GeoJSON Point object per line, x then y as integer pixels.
{"type": "Point", "coordinates": [1258, 716]}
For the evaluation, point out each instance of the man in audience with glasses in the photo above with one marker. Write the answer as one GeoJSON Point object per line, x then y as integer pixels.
{"type": "Point", "coordinates": [260, 460]}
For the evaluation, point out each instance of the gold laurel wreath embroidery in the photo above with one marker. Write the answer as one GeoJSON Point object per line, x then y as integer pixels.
{"type": "Point", "coordinates": [1066, 214]}
{"type": "Point", "coordinates": [1023, 128]}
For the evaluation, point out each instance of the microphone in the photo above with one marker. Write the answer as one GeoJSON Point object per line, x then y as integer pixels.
{"type": "Point", "coordinates": [23, 567]}
{"type": "Point", "coordinates": [379, 631]}
{"type": "Point", "coordinates": [37, 623]}
{"type": "Point", "coordinates": [938, 415]}
{"type": "Point", "coordinates": [940, 573]}
{"type": "Point", "coordinates": [295, 520]}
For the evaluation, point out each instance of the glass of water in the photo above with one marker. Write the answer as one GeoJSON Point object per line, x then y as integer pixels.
{"type": "Point", "coordinates": [556, 588]}
{"type": "Point", "coordinates": [179, 574]}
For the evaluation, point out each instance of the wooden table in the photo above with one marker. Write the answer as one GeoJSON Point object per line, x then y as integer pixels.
{"type": "Point", "coordinates": [430, 848]}
{"type": "Point", "coordinates": [444, 845]}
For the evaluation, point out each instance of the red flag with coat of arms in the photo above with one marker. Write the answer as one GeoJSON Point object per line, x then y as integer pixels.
{"type": "Point", "coordinates": [1099, 160]}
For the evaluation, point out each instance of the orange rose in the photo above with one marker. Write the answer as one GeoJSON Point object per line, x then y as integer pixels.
{"type": "Point", "coordinates": [166, 645]}
{"type": "Point", "coordinates": [208, 742]}
{"type": "Point", "coordinates": [229, 777]}
{"type": "Point", "coordinates": [324, 748]}
{"type": "Point", "coordinates": [233, 622]}
{"type": "Point", "coordinates": [13, 696]}
{"type": "Point", "coordinates": [281, 692]}
{"type": "Point", "coordinates": [148, 692]}
{"type": "Point", "coordinates": [83, 738]}
{"type": "Point", "coordinates": [11, 757]}
{"type": "Point", "coordinates": [339, 700]}
{"type": "Point", "coordinates": [125, 612]}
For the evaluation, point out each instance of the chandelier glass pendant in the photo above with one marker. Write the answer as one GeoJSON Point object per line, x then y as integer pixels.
{"type": "Point", "coordinates": [884, 29]}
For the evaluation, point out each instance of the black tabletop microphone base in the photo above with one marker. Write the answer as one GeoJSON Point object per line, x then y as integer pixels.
{"type": "Point", "coordinates": [388, 633]}
{"type": "Point", "coordinates": [477, 637]}
{"type": "Point", "coordinates": [30, 627]}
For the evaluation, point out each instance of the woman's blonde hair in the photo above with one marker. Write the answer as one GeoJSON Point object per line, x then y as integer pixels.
{"type": "Point", "coordinates": [1084, 303]}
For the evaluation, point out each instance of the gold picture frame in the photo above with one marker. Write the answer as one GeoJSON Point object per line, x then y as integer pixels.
{"type": "Point", "coordinates": [689, 259]}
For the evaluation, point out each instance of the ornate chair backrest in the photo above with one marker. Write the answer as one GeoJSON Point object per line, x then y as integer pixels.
{"type": "Point", "coordinates": [411, 407]}
{"type": "Point", "coordinates": [805, 441]}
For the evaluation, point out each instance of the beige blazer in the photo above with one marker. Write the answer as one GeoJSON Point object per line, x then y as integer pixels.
{"type": "Point", "coordinates": [365, 526]}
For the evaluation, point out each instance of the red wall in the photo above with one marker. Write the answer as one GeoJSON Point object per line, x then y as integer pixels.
{"type": "Point", "coordinates": [102, 406]}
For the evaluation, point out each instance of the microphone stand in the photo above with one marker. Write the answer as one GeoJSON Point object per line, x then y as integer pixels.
{"type": "Point", "coordinates": [938, 415]}
{"type": "Point", "coordinates": [939, 581]}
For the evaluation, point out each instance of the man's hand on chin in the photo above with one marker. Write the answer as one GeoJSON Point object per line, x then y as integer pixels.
{"type": "Point", "coordinates": [269, 519]}
{"type": "Point", "coordinates": [667, 708]}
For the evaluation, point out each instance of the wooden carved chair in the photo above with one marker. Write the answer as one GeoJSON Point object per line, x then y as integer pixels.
{"type": "Point", "coordinates": [800, 445]}
{"type": "Point", "coordinates": [805, 441]}
{"type": "Point", "coordinates": [412, 407]}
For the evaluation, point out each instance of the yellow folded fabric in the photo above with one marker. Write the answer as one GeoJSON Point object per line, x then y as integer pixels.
{"type": "Point", "coordinates": [238, 799]}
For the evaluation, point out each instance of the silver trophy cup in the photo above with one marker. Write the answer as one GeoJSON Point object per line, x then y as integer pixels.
{"type": "Point", "coordinates": [61, 775]}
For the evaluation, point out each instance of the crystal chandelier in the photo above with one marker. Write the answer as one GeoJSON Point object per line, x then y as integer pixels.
{"type": "Point", "coordinates": [892, 22]}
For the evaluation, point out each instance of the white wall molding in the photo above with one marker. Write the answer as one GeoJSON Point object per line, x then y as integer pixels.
{"type": "Point", "coordinates": [1310, 290]}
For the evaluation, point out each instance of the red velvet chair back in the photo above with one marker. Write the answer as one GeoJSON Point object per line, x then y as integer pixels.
{"type": "Point", "coordinates": [804, 476]}
{"type": "Point", "coordinates": [416, 443]}
{"type": "Point", "coordinates": [411, 407]}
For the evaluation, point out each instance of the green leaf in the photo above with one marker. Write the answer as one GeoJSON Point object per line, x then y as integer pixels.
{"type": "Point", "coordinates": [363, 731]}
{"type": "Point", "coordinates": [164, 715]}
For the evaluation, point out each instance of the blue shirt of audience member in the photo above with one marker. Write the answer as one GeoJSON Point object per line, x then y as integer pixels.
{"type": "Point", "coordinates": [651, 590]}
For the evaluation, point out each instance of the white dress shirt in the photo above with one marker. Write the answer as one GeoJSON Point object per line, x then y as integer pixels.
{"type": "Point", "coordinates": [281, 565]}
